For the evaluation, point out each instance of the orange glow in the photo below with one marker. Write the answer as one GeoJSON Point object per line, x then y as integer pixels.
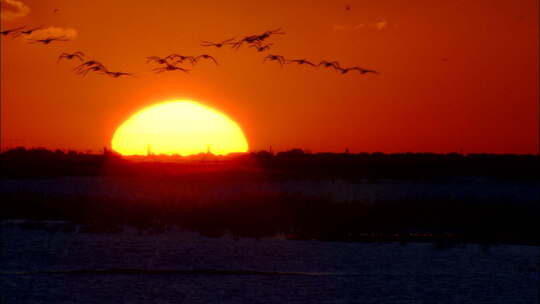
{"type": "Point", "coordinates": [455, 76]}
{"type": "Point", "coordinates": [181, 127]}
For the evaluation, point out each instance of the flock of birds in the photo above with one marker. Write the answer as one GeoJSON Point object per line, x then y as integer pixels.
{"type": "Point", "coordinates": [173, 62]}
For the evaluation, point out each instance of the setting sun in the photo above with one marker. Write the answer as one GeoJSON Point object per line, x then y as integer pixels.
{"type": "Point", "coordinates": [180, 127]}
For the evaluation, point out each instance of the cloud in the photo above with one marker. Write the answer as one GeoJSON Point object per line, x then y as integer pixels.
{"type": "Point", "coordinates": [381, 25]}
{"type": "Point", "coordinates": [360, 26]}
{"type": "Point", "coordinates": [52, 31]}
{"type": "Point", "coordinates": [12, 9]}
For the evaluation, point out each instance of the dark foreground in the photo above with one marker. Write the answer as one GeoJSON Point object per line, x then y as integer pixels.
{"type": "Point", "coordinates": [445, 198]}
{"type": "Point", "coordinates": [40, 266]}
{"type": "Point", "coordinates": [263, 228]}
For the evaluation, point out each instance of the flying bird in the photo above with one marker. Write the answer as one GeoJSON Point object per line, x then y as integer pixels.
{"type": "Point", "coordinates": [205, 56]}
{"type": "Point", "coordinates": [88, 64]}
{"type": "Point", "coordinates": [96, 68]}
{"type": "Point", "coordinates": [329, 64]}
{"type": "Point", "coordinates": [181, 58]}
{"type": "Point", "coordinates": [257, 38]}
{"type": "Point", "coordinates": [169, 67]}
{"type": "Point", "coordinates": [118, 74]}
{"type": "Point", "coordinates": [359, 69]}
{"type": "Point", "coordinates": [267, 34]}
{"type": "Point", "coordinates": [365, 71]}
{"type": "Point", "coordinates": [218, 44]}
{"type": "Point", "coordinates": [159, 60]}
{"type": "Point", "coordinates": [14, 30]}
{"type": "Point", "coordinates": [277, 58]}
{"type": "Point", "coordinates": [301, 62]}
{"type": "Point", "coordinates": [49, 40]}
{"type": "Point", "coordinates": [344, 70]}
{"type": "Point", "coordinates": [261, 48]}
{"type": "Point", "coordinates": [79, 55]}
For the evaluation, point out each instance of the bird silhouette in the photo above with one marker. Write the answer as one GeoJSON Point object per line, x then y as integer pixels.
{"type": "Point", "coordinates": [301, 62]}
{"type": "Point", "coordinates": [49, 40]}
{"type": "Point", "coordinates": [169, 67]}
{"type": "Point", "coordinates": [251, 39]}
{"type": "Point", "coordinates": [218, 44]}
{"type": "Point", "coordinates": [118, 74]}
{"type": "Point", "coordinates": [88, 64]}
{"type": "Point", "coordinates": [181, 58]}
{"type": "Point", "coordinates": [159, 60]}
{"type": "Point", "coordinates": [14, 30]}
{"type": "Point", "coordinates": [329, 64]}
{"type": "Point", "coordinates": [79, 55]}
{"type": "Point", "coordinates": [267, 34]}
{"type": "Point", "coordinates": [261, 48]}
{"type": "Point", "coordinates": [277, 58]}
{"type": "Point", "coordinates": [95, 68]}
{"type": "Point", "coordinates": [359, 69]}
{"type": "Point", "coordinates": [205, 56]}
{"type": "Point", "coordinates": [364, 71]}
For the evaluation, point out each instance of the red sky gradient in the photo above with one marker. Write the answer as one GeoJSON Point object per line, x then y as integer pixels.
{"type": "Point", "coordinates": [455, 76]}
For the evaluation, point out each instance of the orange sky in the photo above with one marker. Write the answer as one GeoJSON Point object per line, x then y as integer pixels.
{"type": "Point", "coordinates": [483, 98]}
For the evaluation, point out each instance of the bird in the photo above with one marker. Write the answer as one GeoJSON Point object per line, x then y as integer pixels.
{"type": "Point", "coordinates": [205, 56]}
{"type": "Point", "coordinates": [218, 44]}
{"type": "Point", "coordinates": [364, 71]}
{"type": "Point", "coordinates": [277, 58]}
{"type": "Point", "coordinates": [257, 38]}
{"type": "Point", "coordinates": [267, 34]}
{"type": "Point", "coordinates": [49, 40]}
{"type": "Point", "coordinates": [96, 68]}
{"type": "Point", "coordinates": [181, 58]}
{"type": "Point", "coordinates": [87, 64]}
{"type": "Point", "coordinates": [157, 59]}
{"type": "Point", "coordinates": [79, 55]}
{"type": "Point", "coordinates": [118, 74]}
{"type": "Point", "coordinates": [359, 69]}
{"type": "Point", "coordinates": [261, 48]}
{"type": "Point", "coordinates": [329, 64]}
{"type": "Point", "coordinates": [169, 67]}
{"type": "Point", "coordinates": [14, 30]}
{"type": "Point", "coordinates": [344, 70]}
{"type": "Point", "coordinates": [301, 62]}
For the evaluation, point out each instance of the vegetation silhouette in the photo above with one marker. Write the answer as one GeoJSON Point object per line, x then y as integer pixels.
{"type": "Point", "coordinates": [264, 213]}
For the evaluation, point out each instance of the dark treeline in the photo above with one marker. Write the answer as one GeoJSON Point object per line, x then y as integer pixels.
{"type": "Point", "coordinates": [293, 164]}
{"type": "Point", "coordinates": [261, 214]}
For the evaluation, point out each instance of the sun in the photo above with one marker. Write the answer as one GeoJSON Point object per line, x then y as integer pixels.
{"type": "Point", "coordinates": [181, 127]}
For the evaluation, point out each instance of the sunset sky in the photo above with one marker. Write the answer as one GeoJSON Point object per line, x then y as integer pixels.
{"type": "Point", "coordinates": [455, 76]}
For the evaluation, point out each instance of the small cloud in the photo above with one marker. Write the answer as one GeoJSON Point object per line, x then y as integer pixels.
{"type": "Point", "coordinates": [68, 33]}
{"type": "Point", "coordinates": [361, 26]}
{"type": "Point", "coordinates": [12, 9]}
{"type": "Point", "coordinates": [381, 25]}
